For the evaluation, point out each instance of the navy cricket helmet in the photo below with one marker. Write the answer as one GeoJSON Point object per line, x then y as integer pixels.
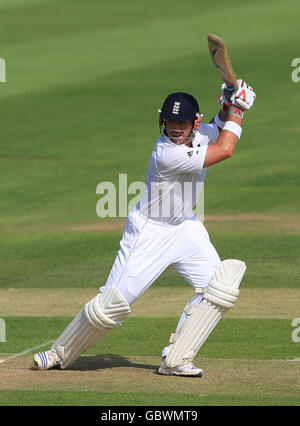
{"type": "Point", "coordinates": [180, 106]}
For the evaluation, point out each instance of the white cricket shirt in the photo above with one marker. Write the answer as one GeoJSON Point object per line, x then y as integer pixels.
{"type": "Point", "coordinates": [175, 177]}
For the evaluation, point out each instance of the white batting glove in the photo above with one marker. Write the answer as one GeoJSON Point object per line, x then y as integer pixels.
{"type": "Point", "coordinates": [244, 96]}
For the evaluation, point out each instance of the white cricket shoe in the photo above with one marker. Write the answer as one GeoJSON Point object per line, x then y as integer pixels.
{"type": "Point", "coordinates": [187, 369]}
{"type": "Point", "coordinates": [46, 360]}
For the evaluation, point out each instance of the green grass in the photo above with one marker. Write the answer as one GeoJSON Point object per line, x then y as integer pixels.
{"type": "Point", "coordinates": [78, 118]}
{"type": "Point", "coordinates": [71, 398]}
{"type": "Point", "coordinates": [233, 338]}
{"type": "Point", "coordinates": [84, 259]}
{"type": "Point", "coordinates": [84, 82]}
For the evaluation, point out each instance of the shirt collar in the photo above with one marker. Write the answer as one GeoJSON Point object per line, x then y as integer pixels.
{"type": "Point", "coordinates": [196, 141]}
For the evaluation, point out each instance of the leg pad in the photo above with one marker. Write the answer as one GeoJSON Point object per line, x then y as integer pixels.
{"type": "Point", "coordinates": [104, 312]}
{"type": "Point", "coordinates": [220, 296]}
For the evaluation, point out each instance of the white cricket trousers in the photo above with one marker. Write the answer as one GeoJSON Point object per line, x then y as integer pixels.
{"type": "Point", "coordinates": [148, 247]}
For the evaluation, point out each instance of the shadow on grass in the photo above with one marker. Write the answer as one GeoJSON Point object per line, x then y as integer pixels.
{"type": "Point", "coordinates": [103, 361]}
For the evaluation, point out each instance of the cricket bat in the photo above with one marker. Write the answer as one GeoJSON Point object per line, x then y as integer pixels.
{"type": "Point", "coordinates": [220, 57]}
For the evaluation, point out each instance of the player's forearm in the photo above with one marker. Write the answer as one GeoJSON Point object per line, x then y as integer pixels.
{"type": "Point", "coordinates": [227, 141]}
{"type": "Point", "coordinates": [226, 144]}
{"type": "Point", "coordinates": [230, 134]}
{"type": "Point", "coordinates": [222, 150]}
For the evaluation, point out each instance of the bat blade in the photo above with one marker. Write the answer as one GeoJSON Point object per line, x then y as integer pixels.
{"type": "Point", "coordinates": [220, 57]}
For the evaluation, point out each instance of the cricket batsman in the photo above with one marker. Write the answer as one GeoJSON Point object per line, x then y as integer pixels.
{"type": "Point", "coordinates": [161, 231]}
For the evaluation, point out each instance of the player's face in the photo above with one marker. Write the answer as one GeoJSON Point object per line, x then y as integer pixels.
{"type": "Point", "coordinates": [179, 131]}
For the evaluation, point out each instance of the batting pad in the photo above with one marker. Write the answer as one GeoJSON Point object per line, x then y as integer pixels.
{"type": "Point", "coordinates": [221, 294]}
{"type": "Point", "coordinates": [104, 312]}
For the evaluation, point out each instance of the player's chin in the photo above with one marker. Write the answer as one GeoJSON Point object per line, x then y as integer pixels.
{"type": "Point", "coordinates": [178, 140]}
{"type": "Point", "coordinates": [184, 141]}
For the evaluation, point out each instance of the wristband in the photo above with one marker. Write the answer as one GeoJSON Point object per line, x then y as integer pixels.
{"type": "Point", "coordinates": [233, 128]}
{"type": "Point", "coordinates": [219, 122]}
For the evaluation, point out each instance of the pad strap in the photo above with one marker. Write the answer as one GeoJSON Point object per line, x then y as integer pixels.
{"type": "Point", "coordinates": [188, 310]}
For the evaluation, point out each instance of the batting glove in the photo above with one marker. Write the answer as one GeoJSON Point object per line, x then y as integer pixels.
{"type": "Point", "coordinates": [225, 97]}
{"type": "Point", "coordinates": [244, 96]}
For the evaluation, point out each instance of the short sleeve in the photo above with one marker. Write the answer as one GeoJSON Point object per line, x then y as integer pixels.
{"type": "Point", "coordinates": [182, 159]}
{"type": "Point", "coordinates": [208, 133]}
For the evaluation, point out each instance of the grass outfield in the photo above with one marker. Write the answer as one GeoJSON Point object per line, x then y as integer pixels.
{"type": "Point", "coordinates": [250, 359]}
{"type": "Point", "coordinates": [245, 362]}
{"type": "Point", "coordinates": [84, 82]}
{"type": "Point", "coordinates": [84, 259]}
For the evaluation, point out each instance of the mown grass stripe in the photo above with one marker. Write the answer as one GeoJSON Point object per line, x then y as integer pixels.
{"type": "Point", "coordinates": [84, 398]}
{"type": "Point", "coordinates": [84, 259]}
{"type": "Point", "coordinates": [157, 301]}
{"type": "Point", "coordinates": [232, 338]}
{"type": "Point", "coordinates": [132, 54]}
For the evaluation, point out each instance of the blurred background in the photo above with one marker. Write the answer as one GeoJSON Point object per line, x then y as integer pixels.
{"type": "Point", "coordinates": [84, 81]}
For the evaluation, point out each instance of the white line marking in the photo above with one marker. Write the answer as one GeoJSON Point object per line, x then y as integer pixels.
{"type": "Point", "coordinates": [26, 351]}
{"type": "Point", "coordinates": [293, 359]}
